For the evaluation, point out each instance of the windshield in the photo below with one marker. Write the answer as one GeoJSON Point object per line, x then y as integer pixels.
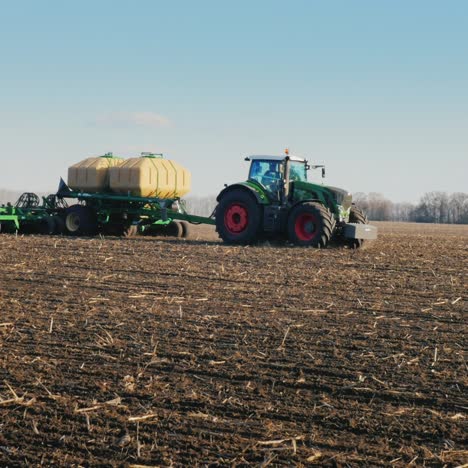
{"type": "Point", "coordinates": [298, 171]}
{"type": "Point", "coordinates": [267, 173]}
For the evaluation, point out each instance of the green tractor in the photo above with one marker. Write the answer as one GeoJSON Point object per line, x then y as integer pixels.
{"type": "Point", "coordinates": [277, 201]}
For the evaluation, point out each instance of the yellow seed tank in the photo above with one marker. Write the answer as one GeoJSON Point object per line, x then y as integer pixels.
{"type": "Point", "coordinates": [92, 174]}
{"type": "Point", "coordinates": [150, 176]}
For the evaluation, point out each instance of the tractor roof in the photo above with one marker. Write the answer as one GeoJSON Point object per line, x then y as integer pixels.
{"type": "Point", "coordinates": [275, 158]}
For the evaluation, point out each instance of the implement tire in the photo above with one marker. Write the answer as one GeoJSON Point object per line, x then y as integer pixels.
{"type": "Point", "coordinates": [47, 226]}
{"type": "Point", "coordinates": [80, 220]}
{"type": "Point", "coordinates": [310, 224]}
{"type": "Point", "coordinates": [357, 216]}
{"type": "Point", "coordinates": [122, 230]}
{"type": "Point", "coordinates": [59, 225]}
{"type": "Point", "coordinates": [238, 218]}
{"type": "Point", "coordinates": [130, 231]}
{"type": "Point", "coordinates": [185, 229]}
{"type": "Point", "coordinates": [174, 229]}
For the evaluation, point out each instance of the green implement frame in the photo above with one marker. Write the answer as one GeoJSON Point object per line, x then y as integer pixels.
{"type": "Point", "coordinates": [105, 208]}
{"type": "Point", "coordinates": [157, 210]}
{"type": "Point", "coordinates": [12, 218]}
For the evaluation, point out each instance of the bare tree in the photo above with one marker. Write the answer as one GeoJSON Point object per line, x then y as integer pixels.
{"type": "Point", "coordinates": [201, 206]}
{"type": "Point", "coordinates": [8, 196]}
{"type": "Point", "coordinates": [432, 208]}
{"type": "Point", "coordinates": [458, 208]}
{"type": "Point", "coordinates": [402, 211]}
{"type": "Point", "coordinates": [375, 205]}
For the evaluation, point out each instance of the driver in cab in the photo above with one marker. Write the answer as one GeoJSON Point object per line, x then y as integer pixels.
{"type": "Point", "coordinates": [272, 177]}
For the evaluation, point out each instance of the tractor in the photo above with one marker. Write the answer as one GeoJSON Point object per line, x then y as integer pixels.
{"type": "Point", "coordinates": [277, 201]}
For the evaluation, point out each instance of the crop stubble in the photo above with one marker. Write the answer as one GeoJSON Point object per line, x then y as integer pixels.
{"type": "Point", "coordinates": [159, 351]}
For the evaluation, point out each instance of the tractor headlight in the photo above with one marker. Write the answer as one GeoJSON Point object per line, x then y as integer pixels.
{"type": "Point", "coordinates": [344, 213]}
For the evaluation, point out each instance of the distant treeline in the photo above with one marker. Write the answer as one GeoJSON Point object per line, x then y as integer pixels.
{"type": "Point", "coordinates": [11, 196]}
{"type": "Point", "coordinates": [433, 207]}
{"type": "Point", "coordinates": [8, 196]}
{"type": "Point", "coordinates": [201, 206]}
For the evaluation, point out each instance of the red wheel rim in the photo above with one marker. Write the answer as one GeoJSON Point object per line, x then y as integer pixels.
{"type": "Point", "coordinates": [306, 227]}
{"type": "Point", "coordinates": [236, 218]}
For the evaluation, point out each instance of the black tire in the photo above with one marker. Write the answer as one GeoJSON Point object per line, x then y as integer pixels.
{"type": "Point", "coordinates": [121, 230]}
{"type": "Point", "coordinates": [310, 224]}
{"type": "Point", "coordinates": [238, 218]}
{"type": "Point", "coordinates": [152, 230]}
{"type": "Point", "coordinates": [59, 225]}
{"type": "Point", "coordinates": [130, 231]}
{"type": "Point", "coordinates": [185, 229]}
{"type": "Point", "coordinates": [80, 220]}
{"type": "Point", "coordinates": [146, 230]}
{"type": "Point", "coordinates": [174, 229]}
{"type": "Point", "coordinates": [357, 216]}
{"type": "Point", "coordinates": [46, 226]}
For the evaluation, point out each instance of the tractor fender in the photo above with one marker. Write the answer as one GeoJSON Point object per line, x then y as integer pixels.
{"type": "Point", "coordinates": [306, 200]}
{"type": "Point", "coordinates": [260, 198]}
{"type": "Point", "coordinates": [315, 200]}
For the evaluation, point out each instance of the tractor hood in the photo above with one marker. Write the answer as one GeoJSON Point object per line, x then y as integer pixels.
{"type": "Point", "coordinates": [341, 196]}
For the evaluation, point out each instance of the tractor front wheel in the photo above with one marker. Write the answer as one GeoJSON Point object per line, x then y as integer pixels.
{"type": "Point", "coordinates": [310, 224]}
{"type": "Point", "coordinates": [357, 216]}
{"type": "Point", "coordinates": [238, 218]}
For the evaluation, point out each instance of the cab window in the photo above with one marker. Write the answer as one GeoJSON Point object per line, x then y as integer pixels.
{"type": "Point", "coordinates": [267, 173]}
{"type": "Point", "coordinates": [297, 172]}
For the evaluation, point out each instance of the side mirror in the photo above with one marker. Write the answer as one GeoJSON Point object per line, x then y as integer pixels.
{"type": "Point", "coordinates": [323, 172]}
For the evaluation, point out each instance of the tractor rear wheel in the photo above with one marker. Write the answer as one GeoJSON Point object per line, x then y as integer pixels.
{"type": "Point", "coordinates": [80, 220]}
{"type": "Point", "coordinates": [357, 216]}
{"type": "Point", "coordinates": [238, 218]}
{"type": "Point", "coordinates": [310, 224]}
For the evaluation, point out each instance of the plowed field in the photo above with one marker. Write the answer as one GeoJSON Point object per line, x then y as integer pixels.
{"type": "Point", "coordinates": [189, 352]}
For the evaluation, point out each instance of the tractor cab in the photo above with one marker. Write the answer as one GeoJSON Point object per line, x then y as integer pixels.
{"type": "Point", "coordinates": [275, 173]}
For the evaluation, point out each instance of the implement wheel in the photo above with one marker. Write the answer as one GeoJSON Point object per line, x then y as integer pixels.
{"type": "Point", "coordinates": [122, 230]}
{"type": "Point", "coordinates": [310, 224]}
{"type": "Point", "coordinates": [59, 225]}
{"type": "Point", "coordinates": [130, 231]}
{"type": "Point", "coordinates": [238, 218]}
{"type": "Point", "coordinates": [47, 226]}
{"type": "Point", "coordinates": [80, 220]}
{"type": "Point", "coordinates": [174, 229]}
{"type": "Point", "coordinates": [356, 215]}
{"type": "Point", "coordinates": [185, 229]}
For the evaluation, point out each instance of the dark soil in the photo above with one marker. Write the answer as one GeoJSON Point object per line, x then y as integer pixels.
{"type": "Point", "coordinates": [189, 352]}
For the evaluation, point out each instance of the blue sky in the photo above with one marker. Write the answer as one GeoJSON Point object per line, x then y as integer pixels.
{"type": "Point", "coordinates": [376, 90]}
